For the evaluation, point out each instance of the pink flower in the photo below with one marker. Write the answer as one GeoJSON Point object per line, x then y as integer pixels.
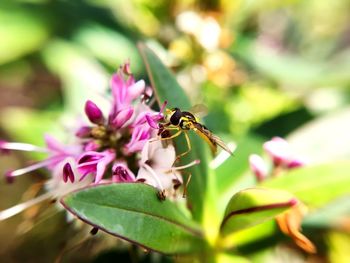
{"type": "Point", "coordinates": [143, 128]}
{"type": "Point", "coordinates": [124, 91]}
{"type": "Point", "coordinates": [121, 173]}
{"type": "Point", "coordinates": [122, 117]}
{"type": "Point", "coordinates": [281, 153]}
{"type": "Point", "coordinates": [57, 153]}
{"type": "Point", "coordinates": [61, 163]}
{"type": "Point", "coordinates": [94, 163]}
{"type": "Point", "coordinates": [106, 150]}
{"type": "Point", "coordinates": [282, 157]}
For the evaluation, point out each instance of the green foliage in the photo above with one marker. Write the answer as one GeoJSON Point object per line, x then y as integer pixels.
{"type": "Point", "coordinates": [133, 212]}
{"type": "Point", "coordinates": [315, 185]}
{"type": "Point", "coordinates": [253, 206]}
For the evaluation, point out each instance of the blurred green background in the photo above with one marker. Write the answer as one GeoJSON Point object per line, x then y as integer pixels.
{"type": "Point", "coordinates": [263, 68]}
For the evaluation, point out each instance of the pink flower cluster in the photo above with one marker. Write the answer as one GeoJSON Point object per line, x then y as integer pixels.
{"type": "Point", "coordinates": [281, 156]}
{"type": "Point", "coordinates": [113, 148]}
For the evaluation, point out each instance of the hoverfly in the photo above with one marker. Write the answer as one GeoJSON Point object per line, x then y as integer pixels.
{"type": "Point", "coordinates": [183, 121]}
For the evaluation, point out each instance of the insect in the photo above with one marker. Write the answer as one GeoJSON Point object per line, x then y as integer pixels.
{"type": "Point", "coordinates": [183, 121]}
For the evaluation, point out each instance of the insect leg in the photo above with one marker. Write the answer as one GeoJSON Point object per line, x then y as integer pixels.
{"type": "Point", "coordinates": [179, 131]}
{"type": "Point", "coordinates": [184, 194]}
{"type": "Point", "coordinates": [189, 148]}
{"type": "Point", "coordinates": [172, 136]}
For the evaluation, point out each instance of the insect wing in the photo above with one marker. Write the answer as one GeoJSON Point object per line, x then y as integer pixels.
{"type": "Point", "coordinates": [199, 110]}
{"type": "Point", "coordinates": [211, 138]}
{"type": "Point", "coordinates": [221, 143]}
{"type": "Point", "coordinates": [205, 134]}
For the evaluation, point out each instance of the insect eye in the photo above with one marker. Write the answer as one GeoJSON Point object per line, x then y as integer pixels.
{"type": "Point", "coordinates": [175, 117]}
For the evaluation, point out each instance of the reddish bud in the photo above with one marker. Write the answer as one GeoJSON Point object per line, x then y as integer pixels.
{"type": "Point", "coordinates": [93, 112]}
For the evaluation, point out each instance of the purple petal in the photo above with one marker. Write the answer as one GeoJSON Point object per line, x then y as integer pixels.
{"type": "Point", "coordinates": [91, 146]}
{"type": "Point", "coordinates": [279, 150]}
{"type": "Point", "coordinates": [54, 145]}
{"type": "Point", "coordinates": [93, 112]}
{"type": "Point", "coordinates": [102, 165]}
{"type": "Point", "coordinates": [83, 132]}
{"type": "Point", "coordinates": [90, 156]}
{"type": "Point", "coordinates": [122, 174]}
{"type": "Point", "coordinates": [135, 90]}
{"type": "Point", "coordinates": [139, 137]}
{"type": "Point", "coordinates": [151, 122]}
{"type": "Point", "coordinates": [122, 117]}
{"type": "Point", "coordinates": [118, 89]}
{"type": "Point", "coordinates": [95, 163]}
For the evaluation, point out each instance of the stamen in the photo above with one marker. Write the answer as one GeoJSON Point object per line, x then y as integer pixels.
{"type": "Point", "coordinates": [177, 168]}
{"type": "Point", "coordinates": [7, 213]}
{"type": "Point", "coordinates": [163, 106]}
{"type": "Point", "coordinates": [30, 168]}
{"type": "Point", "coordinates": [68, 173]}
{"type": "Point", "coordinates": [154, 175]}
{"type": "Point", "coordinates": [21, 147]}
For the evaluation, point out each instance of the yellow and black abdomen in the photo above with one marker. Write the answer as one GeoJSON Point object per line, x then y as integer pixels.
{"type": "Point", "coordinates": [206, 135]}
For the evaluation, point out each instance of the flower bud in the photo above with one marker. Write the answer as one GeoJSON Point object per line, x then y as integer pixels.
{"type": "Point", "coordinates": [279, 150]}
{"type": "Point", "coordinates": [93, 112]}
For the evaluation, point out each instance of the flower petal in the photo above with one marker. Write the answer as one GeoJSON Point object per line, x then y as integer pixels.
{"type": "Point", "coordinates": [122, 117]}
{"type": "Point", "coordinates": [258, 166]}
{"type": "Point", "coordinates": [290, 223]}
{"type": "Point", "coordinates": [135, 90]}
{"type": "Point", "coordinates": [121, 173]}
{"type": "Point", "coordinates": [279, 150]}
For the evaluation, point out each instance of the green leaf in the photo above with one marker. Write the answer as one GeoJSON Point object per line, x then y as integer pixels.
{"type": "Point", "coordinates": [330, 215]}
{"type": "Point", "coordinates": [254, 206]}
{"type": "Point", "coordinates": [163, 81]}
{"type": "Point", "coordinates": [231, 171]}
{"type": "Point", "coordinates": [315, 185]}
{"type": "Point", "coordinates": [167, 89]}
{"type": "Point", "coordinates": [132, 211]}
